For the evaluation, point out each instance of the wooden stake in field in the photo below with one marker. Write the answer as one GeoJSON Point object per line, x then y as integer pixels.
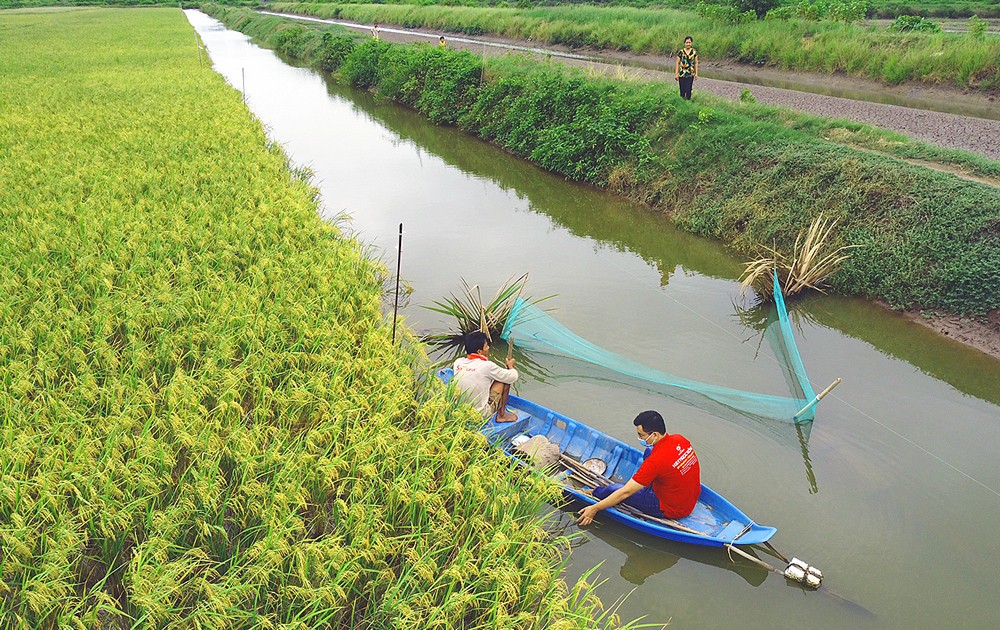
{"type": "Point", "coordinates": [399, 262]}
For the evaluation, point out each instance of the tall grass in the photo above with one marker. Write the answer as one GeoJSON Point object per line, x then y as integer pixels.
{"type": "Point", "coordinates": [942, 59]}
{"type": "Point", "coordinates": [205, 421]}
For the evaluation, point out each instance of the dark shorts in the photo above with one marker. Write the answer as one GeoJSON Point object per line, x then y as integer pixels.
{"type": "Point", "coordinates": [644, 500]}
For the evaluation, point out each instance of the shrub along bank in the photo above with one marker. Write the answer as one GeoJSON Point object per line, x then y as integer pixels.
{"type": "Point", "coordinates": [205, 421]}
{"type": "Point", "coordinates": [739, 173]}
{"type": "Point", "coordinates": [951, 59]}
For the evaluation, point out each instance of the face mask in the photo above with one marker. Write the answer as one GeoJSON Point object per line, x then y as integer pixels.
{"type": "Point", "coordinates": [643, 442]}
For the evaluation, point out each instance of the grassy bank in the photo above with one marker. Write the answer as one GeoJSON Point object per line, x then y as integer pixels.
{"type": "Point", "coordinates": [205, 421]}
{"type": "Point", "coordinates": [934, 59]}
{"type": "Point", "coordinates": [740, 173]}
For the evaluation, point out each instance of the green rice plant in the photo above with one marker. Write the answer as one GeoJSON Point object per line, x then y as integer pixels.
{"type": "Point", "coordinates": [206, 422]}
{"type": "Point", "coordinates": [809, 265]}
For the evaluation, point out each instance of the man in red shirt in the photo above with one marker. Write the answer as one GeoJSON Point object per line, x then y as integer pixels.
{"type": "Point", "coordinates": [667, 484]}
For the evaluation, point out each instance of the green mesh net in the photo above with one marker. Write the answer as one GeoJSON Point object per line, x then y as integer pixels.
{"type": "Point", "coordinates": [535, 330]}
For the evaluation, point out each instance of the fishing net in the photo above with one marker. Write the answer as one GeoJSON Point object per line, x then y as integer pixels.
{"type": "Point", "coordinates": [535, 330]}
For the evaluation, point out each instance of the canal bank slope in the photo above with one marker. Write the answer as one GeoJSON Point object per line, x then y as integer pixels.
{"type": "Point", "coordinates": [207, 422]}
{"type": "Point", "coordinates": [751, 176]}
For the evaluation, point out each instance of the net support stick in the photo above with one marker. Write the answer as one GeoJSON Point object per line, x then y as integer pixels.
{"type": "Point", "coordinates": [399, 261]}
{"type": "Point", "coordinates": [819, 397]}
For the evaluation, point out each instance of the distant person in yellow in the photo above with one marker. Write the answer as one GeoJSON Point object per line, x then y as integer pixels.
{"type": "Point", "coordinates": [441, 42]}
{"type": "Point", "coordinates": [686, 68]}
{"type": "Point", "coordinates": [482, 380]}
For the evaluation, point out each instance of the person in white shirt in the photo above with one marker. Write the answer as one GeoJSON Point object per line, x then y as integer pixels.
{"type": "Point", "coordinates": [482, 380]}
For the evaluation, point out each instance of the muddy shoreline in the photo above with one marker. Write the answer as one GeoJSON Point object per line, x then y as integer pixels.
{"type": "Point", "coordinates": [981, 334]}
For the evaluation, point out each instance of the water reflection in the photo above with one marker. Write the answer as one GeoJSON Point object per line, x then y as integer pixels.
{"type": "Point", "coordinates": [621, 225]}
{"type": "Point", "coordinates": [646, 556]}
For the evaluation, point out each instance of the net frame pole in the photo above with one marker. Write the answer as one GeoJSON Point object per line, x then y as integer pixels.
{"type": "Point", "coordinates": [818, 398]}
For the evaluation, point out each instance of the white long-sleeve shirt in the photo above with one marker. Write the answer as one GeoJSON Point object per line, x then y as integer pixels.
{"type": "Point", "coordinates": [474, 375]}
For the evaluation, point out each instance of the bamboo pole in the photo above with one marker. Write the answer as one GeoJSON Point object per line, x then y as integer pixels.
{"type": "Point", "coordinates": [818, 398]}
{"type": "Point", "coordinates": [505, 393]}
{"type": "Point", "coordinates": [622, 507]}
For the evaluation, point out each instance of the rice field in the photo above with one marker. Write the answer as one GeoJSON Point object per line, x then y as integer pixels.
{"type": "Point", "coordinates": [205, 423]}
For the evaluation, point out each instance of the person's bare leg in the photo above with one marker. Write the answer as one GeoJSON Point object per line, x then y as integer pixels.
{"type": "Point", "coordinates": [499, 392]}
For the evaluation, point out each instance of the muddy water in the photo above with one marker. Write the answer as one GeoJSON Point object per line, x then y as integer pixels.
{"type": "Point", "coordinates": [893, 491]}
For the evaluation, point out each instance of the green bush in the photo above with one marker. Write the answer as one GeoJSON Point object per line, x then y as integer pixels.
{"type": "Point", "coordinates": [914, 24]}
{"type": "Point", "coordinates": [977, 27]}
{"type": "Point", "coordinates": [290, 41]}
{"type": "Point", "coordinates": [725, 14]}
{"type": "Point", "coordinates": [333, 50]}
{"type": "Point", "coordinates": [758, 7]}
{"type": "Point", "coordinates": [565, 124]}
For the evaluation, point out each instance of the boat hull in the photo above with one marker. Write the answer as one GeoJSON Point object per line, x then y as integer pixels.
{"type": "Point", "coordinates": [717, 521]}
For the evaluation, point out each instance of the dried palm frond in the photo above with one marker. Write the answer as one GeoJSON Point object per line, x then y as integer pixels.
{"type": "Point", "coordinates": [810, 264]}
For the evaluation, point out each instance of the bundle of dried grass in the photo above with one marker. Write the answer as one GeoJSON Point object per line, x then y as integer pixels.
{"type": "Point", "coordinates": [811, 263]}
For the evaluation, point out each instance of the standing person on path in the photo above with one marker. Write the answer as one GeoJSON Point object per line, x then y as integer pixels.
{"type": "Point", "coordinates": [441, 42]}
{"type": "Point", "coordinates": [375, 31]}
{"type": "Point", "coordinates": [483, 380]}
{"type": "Point", "coordinates": [667, 484]}
{"type": "Point", "coordinates": [686, 68]}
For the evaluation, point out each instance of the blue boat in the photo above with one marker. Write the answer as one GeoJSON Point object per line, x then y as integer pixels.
{"type": "Point", "coordinates": [715, 522]}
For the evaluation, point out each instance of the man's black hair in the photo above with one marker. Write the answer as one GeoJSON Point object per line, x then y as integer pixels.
{"type": "Point", "coordinates": [651, 422]}
{"type": "Point", "coordinates": [475, 341]}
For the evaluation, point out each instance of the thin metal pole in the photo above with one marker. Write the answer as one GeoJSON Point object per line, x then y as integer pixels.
{"type": "Point", "coordinates": [399, 261]}
{"type": "Point", "coordinates": [243, 71]}
{"type": "Point", "coordinates": [201, 63]}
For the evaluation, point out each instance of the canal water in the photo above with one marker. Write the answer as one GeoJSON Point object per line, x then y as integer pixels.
{"type": "Point", "coordinates": [892, 491]}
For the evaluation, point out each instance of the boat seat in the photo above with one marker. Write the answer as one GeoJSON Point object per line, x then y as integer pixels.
{"type": "Point", "coordinates": [732, 529]}
{"type": "Point", "coordinates": [495, 431]}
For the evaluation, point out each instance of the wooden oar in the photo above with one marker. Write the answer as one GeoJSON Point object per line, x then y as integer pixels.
{"type": "Point", "coordinates": [505, 392]}
{"type": "Point", "coordinates": [586, 475]}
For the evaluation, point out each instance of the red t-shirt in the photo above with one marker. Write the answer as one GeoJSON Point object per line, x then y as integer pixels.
{"type": "Point", "coordinates": [672, 467]}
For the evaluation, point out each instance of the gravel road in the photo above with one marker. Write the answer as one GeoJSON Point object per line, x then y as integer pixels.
{"type": "Point", "coordinates": [978, 135]}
